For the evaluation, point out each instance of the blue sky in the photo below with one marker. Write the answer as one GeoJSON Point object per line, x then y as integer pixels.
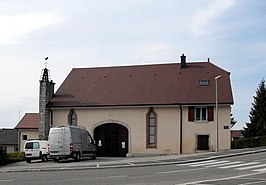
{"type": "Point", "coordinates": [88, 33]}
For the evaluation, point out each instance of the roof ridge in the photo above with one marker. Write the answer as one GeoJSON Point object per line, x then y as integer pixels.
{"type": "Point", "coordinates": [140, 65]}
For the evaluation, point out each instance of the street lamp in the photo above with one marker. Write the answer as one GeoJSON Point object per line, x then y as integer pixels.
{"type": "Point", "coordinates": [216, 103]}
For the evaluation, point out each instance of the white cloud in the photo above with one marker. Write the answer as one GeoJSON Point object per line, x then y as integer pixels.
{"type": "Point", "coordinates": [201, 23]}
{"type": "Point", "coordinates": [15, 28]}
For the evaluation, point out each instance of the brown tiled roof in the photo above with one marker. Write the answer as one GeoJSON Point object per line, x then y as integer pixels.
{"type": "Point", "coordinates": [29, 121]}
{"type": "Point", "coordinates": [236, 133]}
{"type": "Point", "coordinates": [158, 84]}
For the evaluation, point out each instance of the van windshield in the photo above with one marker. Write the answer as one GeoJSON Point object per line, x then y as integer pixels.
{"type": "Point", "coordinates": [32, 145]}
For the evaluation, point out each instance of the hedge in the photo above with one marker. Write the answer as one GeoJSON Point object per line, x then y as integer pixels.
{"type": "Point", "coordinates": [6, 158]}
{"type": "Point", "coordinates": [16, 155]}
{"type": "Point", "coordinates": [249, 142]}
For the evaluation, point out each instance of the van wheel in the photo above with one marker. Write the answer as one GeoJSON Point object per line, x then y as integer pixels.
{"type": "Point", "coordinates": [94, 156]}
{"type": "Point", "coordinates": [28, 160]}
{"type": "Point", "coordinates": [77, 158]}
{"type": "Point", "coordinates": [44, 158]}
{"type": "Point", "coordinates": [56, 160]}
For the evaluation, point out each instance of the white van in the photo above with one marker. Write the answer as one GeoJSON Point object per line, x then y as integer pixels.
{"type": "Point", "coordinates": [70, 142]}
{"type": "Point", "coordinates": [36, 149]}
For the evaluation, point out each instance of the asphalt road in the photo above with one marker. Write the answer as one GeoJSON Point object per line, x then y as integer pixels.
{"type": "Point", "coordinates": [240, 170]}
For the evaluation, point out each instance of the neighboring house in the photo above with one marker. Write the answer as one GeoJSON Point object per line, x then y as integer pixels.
{"type": "Point", "coordinates": [9, 140]}
{"type": "Point", "coordinates": [236, 134]}
{"type": "Point", "coordinates": [28, 128]}
{"type": "Point", "coordinates": [143, 109]}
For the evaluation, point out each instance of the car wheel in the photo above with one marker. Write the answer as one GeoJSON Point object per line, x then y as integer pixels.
{"type": "Point", "coordinates": [44, 158]}
{"type": "Point", "coordinates": [56, 160]}
{"type": "Point", "coordinates": [28, 160]}
{"type": "Point", "coordinates": [94, 156]}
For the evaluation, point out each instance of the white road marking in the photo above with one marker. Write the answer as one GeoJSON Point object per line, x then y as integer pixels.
{"type": "Point", "coordinates": [194, 163]}
{"type": "Point", "coordinates": [6, 180]}
{"type": "Point", "coordinates": [256, 182]}
{"type": "Point", "coordinates": [251, 167]}
{"type": "Point", "coordinates": [260, 170]}
{"type": "Point", "coordinates": [211, 163]}
{"type": "Point", "coordinates": [222, 179]}
{"type": "Point", "coordinates": [178, 171]}
{"type": "Point", "coordinates": [238, 165]}
{"type": "Point", "coordinates": [224, 164]}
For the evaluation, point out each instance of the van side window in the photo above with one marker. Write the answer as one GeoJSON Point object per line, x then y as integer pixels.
{"type": "Point", "coordinates": [36, 145]}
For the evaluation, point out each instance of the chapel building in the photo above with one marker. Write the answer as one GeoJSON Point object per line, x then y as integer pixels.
{"type": "Point", "coordinates": [143, 109]}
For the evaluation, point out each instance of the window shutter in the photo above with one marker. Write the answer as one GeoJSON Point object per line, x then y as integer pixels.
{"type": "Point", "coordinates": [191, 114]}
{"type": "Point", "coordinates": [210, 114]}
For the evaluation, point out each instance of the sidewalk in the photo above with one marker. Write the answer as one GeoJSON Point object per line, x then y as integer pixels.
{"type": "Point", "coordinates": [110, 162]}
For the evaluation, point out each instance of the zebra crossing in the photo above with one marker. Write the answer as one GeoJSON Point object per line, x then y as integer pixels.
{"type": "Point", "coordinates": [255, 166]}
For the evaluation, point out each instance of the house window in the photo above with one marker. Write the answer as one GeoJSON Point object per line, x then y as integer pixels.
{"type": "Point", "coordinates": [24, 137]}
{"type": "Point", "coordinates": [204, 82]}
{"type": "Point", "coordinates": [72, 118]}
{"type": "Point", "coordinates": [200, 114]}
{"type": "Point", "coordinates": [151, 128]}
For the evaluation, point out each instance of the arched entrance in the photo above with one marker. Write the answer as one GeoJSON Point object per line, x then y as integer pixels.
{"type": "Point", "coordinates": [111, 140]}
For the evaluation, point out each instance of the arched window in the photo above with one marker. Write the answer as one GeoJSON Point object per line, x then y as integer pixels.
{"type": "Point", "coordinates": [151, 119]}
{"type": "Point", "coordinates": [72, 118]}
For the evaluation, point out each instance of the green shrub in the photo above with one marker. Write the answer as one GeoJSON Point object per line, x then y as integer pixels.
{"type": "Point", "coordinates": [249, 142]}
{"type": "Point", "coordinates": [16, 155]}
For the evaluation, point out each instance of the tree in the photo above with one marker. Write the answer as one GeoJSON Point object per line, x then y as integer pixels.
{"type": "Point", "coordinates": [257, 125]}
{"type": "Point", "coordinates": [233, 121]}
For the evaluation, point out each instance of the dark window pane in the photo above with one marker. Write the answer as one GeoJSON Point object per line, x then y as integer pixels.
{"type": "Point", "coordinates": [198, 113]}
{"type": "Point", "coordinates": [29, 146]}
{"type": "Point", "coordinates": [204, 114]}
{"type": "Point", "coordinates": [204, 82]}
{"type": "Point", "coordinates": [24, 137]}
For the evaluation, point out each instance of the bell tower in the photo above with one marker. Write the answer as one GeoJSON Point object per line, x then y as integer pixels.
{"type": "Point", "coordinates": [46, 93]}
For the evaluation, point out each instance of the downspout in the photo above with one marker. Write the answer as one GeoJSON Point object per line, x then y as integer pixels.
{"type": "Point", "coordinates": [51, 119]}
{"type": "Point", "coordinates": [181, 128]}
{"type": "Point", "coordinates": [19, 134]}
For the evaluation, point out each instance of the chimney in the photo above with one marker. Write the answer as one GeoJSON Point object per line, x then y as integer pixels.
{"type": "Point", "coordinates": [183, 61]}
